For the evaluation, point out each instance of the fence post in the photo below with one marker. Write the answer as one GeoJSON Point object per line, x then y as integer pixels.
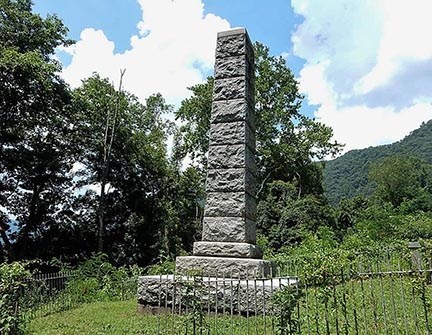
{"type": "Point", "coordinates": [416, 256]}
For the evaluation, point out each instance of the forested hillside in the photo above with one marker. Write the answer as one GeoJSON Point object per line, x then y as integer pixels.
{"type": "Point", "coordinates": [347, 176]}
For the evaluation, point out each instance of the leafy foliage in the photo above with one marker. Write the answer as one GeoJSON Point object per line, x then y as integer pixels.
{"type": "Point", "coordinates": [193, 136]}
{"type": "Point", "coordinates": [347, 176]}
{"type": "Point", "coordinates": [34, 120]}
{"type": "Point", "coordinates": [399, 178]}
{"type": "Point", "coordinates": [286, 302]}
{"type": "Point", "coordinates": [284, 218]}
{"type": "Point", "coordinates": [138, 161]}
{"type": "Point", "coordinates": [98, 280]}
{"type": "Point", "coordinates": [287, 141]}
{"type": "Point", "coordinates": [12, 321]}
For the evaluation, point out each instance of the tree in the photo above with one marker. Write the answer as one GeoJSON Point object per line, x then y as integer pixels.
{"type": "Point", "coordinates": [34, 120]}
{"type": "Point", "coordinates": [400, 178]}
{"type": "Point", "coordinates": [288, 147]}
{"type": "Point", "coordinates": [151, 207]}
{"type": "Point", "coordinates": [28, 73]}
{"type": "Point", "coordinates": [193, 135]}
{"type": "Point", "coordinates": [285, 219]}
{"type": "Point", "coordinates": [348, 213]}
{"type": "Point", "coordinates": [288, 143]}
{"type": "Point", "coordinates": [111, 125]}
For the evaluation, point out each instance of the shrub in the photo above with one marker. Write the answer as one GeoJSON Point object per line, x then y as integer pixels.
{"type": "Point", "coordinates": [98, 280]}
{"type": "Point", "coordinates": [285, 302]}
{"type": "Point", "coordinates": [11, 283]}
{"type": "Point", "coordinates": [164, 267]}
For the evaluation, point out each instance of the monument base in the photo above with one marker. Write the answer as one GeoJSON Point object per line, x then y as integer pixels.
{"type": "Point", "coordinates": [226, 267]}
{"type": "Point", "coordinates": [173, 294]}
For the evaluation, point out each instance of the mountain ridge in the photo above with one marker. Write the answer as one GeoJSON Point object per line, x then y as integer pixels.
{"type": "Point", "coordinates": [347, 176]}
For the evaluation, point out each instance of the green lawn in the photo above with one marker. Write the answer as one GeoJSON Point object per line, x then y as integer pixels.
{"type": "Point", "coordinates": [117, 318]}
{"type": "Point", "coordinates": [94, 319]}
{"type": "Point", "coordinates": [380, 305]}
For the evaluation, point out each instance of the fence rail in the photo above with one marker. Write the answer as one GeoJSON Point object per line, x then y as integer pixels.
{"type": "Point", "coordinates": [44, 294]}
{"type": "Point", "coordinates": [387, 302]}
{"type": "Point", "coordinates": [390, 296]}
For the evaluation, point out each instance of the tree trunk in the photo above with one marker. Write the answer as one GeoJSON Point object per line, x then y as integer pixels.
{"type": "Point", "coordinates": [110, 129]}
{"type": "Point", "coordinates": [6, 242]}
{"type": "Point", "coordinates": [101, 217]}
{"type": "Point", "coordinates": [31, 220]}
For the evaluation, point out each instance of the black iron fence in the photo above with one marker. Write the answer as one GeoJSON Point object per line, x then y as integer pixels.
{"type": "Point", "coordinates": [386, 302]}
{"type": "Point", "coordinates": [389, 295]}
{"type": "Point", "coordinates": [44, 294]}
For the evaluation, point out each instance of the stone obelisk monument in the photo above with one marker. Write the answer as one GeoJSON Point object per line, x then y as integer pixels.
{"type": "Point", "coordinates": [229, 235]}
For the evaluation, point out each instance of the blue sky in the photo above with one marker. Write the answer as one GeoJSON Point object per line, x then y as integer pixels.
{"type": "Point", "coordinates": [364, 66]}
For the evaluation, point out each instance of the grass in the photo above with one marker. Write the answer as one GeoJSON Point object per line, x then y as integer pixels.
{"type": "Point", "coordinates": [380, 305]}
{"type": "Point", "coordinates": [368, 305]}
{"type": "Point", "coordinates": [117, 318]}
{"type": "Point", "coordinates": [101, 318]}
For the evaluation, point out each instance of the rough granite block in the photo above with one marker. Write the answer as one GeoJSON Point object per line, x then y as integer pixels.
{"type": "Point", "coordinates": [231, 111]}
{"type": "Point", "coordinates": [230, 45]}
{"type": "Point", "coordinates": [232, 133]}
{"type": "Point", "coordinates": [231, 156]}
{"type": "Point", "coordinates": [230, 204]}
{"type": "Point", "coordinates": [226, 249]}
{"type": "Point", "coordinates": [163, 294]}
{"type": "Point", "coordinates": [230, 180]}
{"type": "Point", "coordinates": [232, 67]}
{"type": "Point", "coordinates": [223, 266]}
{"type": "Point", "coordinates": [233, 88]}
{"type": "Point", "coordinates": [233, 43]}
{"type": "Point", "coordinates": [229, 88]}
{"type": "Point", "coordinates": [229, 229]}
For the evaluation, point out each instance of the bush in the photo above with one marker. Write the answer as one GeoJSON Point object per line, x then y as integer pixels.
{"type": "Point", "coordinates": [415, 227]}
{"type": "Point", "coordinates": [286, 302]}
{"type": "Point", "coordinates": [98, 280]}
{"type": "Point", "coordinates": [11, 283]}
{"type": "Point", "coordinates": [165, 267]}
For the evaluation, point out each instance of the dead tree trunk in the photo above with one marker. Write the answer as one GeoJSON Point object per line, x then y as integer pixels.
{"type": "Point", "coordinates": [110, 129]}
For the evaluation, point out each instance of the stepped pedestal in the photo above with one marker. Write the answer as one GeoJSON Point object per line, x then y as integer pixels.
{"type": "Point", "coordinates": [227, 259]}
{"type": "Point", "coordinates": [228, 239]}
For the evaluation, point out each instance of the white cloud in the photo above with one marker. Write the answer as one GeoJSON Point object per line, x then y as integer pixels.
{"type": "Point", "coordinates": [405, 34]}
{"type": "Point", "coordinates": [362, 126]}
{"type": "Point", "coordinates": [173, 50]}
{"type": "Point", "coordinates": [368, 65]}
{"type": "Point", "coordinates": [313, 83]}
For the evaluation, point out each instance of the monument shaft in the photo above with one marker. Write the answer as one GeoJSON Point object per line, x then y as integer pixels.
{"type": "Point", "coordinates": [229, 214]}
{"type": "Point", "coordinates": [229, 234]}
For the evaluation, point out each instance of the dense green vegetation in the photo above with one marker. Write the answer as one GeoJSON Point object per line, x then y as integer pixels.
{"type": "Point", "coordinates": [11, 285]}
{"type": "Point", "coordinates": [83, 170]}
{"type": "Point", "coordinates": [87, 170]}
{"type": "Point", "coordinates": [347, 175]}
